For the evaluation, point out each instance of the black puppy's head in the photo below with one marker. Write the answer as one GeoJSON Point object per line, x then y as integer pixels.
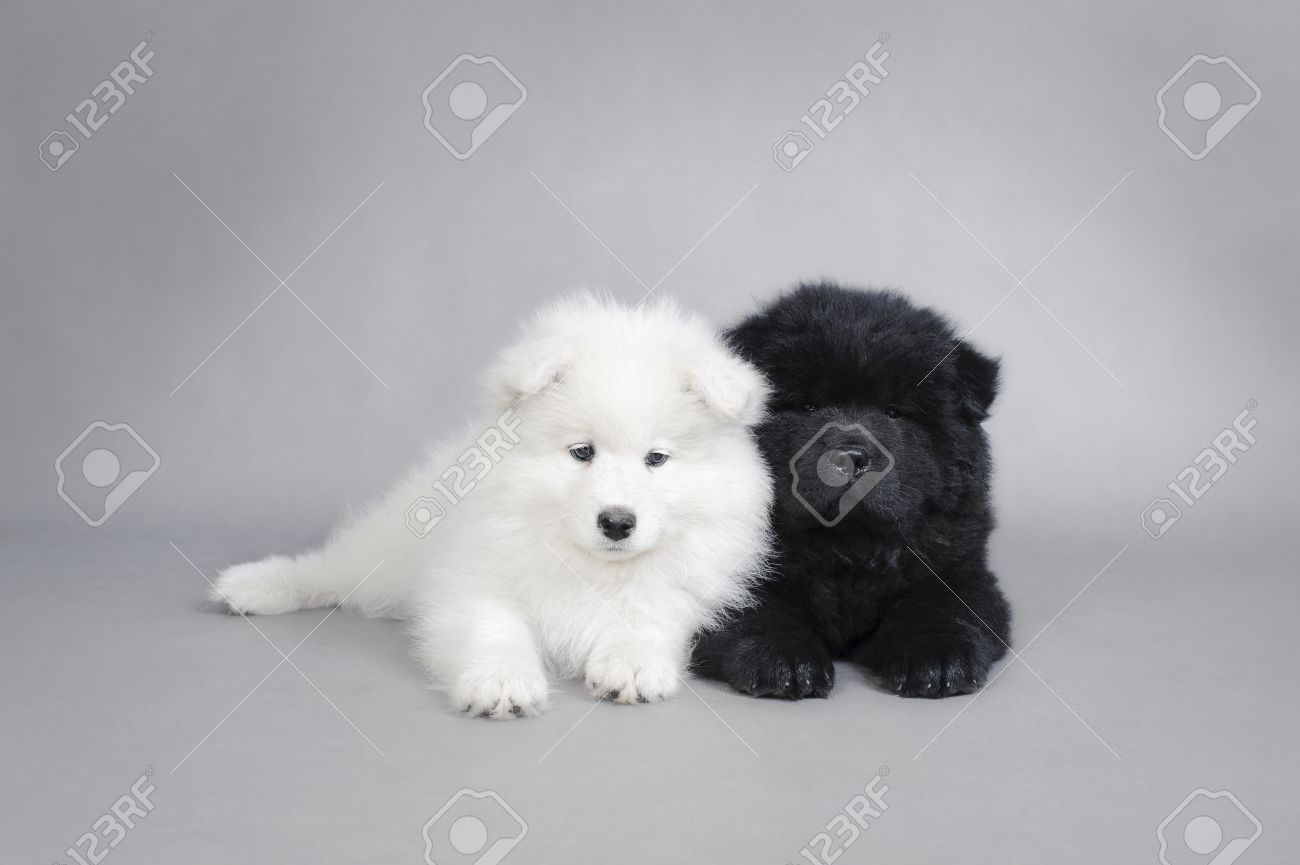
{"type": "Point", "coordinates": [876, 410]}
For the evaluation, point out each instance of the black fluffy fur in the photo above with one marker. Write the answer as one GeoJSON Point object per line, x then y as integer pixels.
{"type": "Point", "coordinates": [900, 583]}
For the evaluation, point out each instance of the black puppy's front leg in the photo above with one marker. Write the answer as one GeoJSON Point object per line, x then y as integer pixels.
{"type": "Point", "coordinates": [767, 651]}
{"type": "Point", "coordinates": [939, 640]}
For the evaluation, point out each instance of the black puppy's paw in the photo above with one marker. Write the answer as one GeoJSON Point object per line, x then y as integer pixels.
{"type": "Point", "coordinates": [791, 668]}
{"type": "Point", "coordinates": [932, 665]}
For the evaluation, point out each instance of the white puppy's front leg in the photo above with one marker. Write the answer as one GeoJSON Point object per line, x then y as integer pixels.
{"type": "Point", "coordinates": [643, 665]}
{"type": "Point", "coordinates": [483, 652]}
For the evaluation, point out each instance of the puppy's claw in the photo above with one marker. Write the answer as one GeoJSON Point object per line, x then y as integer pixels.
{"type": "Point", "coordinates": [791, 669]}
{"type": "Point", "coordinates": [932, 665]}
{"type": "Point", "coordinates": [501, 695]}
{"type": "Point", "coordinates": [632, 678]}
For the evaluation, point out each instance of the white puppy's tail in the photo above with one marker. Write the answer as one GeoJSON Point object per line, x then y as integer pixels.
{"type": "Point", "coordinates": [368, 566]}
{"type": "Point", "coordinates": [319, 578]}
{"type": "Point", "coordinates": [276, 584]}
{"type": "Point", "coordinates": [373, 564]}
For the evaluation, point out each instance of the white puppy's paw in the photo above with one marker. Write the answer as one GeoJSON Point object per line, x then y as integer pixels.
{"type": "Point", "coordinates": [258, 587]}
{"type": "Point", "coordinates": [500, 694]}
{"type": "Point", "coordinates": [632, 677]}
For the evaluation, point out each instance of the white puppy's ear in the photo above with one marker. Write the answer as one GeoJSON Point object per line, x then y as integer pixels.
{"type": "Point", "coordinates": [733, 389]}
{"type": "Point", "coordinates": [527, 368]}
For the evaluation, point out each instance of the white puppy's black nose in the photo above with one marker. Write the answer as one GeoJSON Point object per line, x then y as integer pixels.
{"type": "Point", "coordinates": [616, 523]}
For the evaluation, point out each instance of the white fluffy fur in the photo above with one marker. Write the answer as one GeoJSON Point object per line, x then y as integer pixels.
{"type": "Point", "coordinates": [517, 579]}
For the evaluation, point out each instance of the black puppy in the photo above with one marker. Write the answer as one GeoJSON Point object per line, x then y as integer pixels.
{"type": "Point", "coordinates": [882, 506]}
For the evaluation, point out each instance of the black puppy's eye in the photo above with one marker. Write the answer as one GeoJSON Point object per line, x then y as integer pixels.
{"type": "Point", "coordinates": [892, 411]}
{"type": "Point", "coordinates": [810, 408]}
{"type": "Point", "coordinates": [582, 453]}
{"type": "Point", "coordinates": [656, 458]}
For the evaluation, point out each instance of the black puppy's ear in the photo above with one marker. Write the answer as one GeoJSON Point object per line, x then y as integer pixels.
{"type": "Point", "coordinates": [977, 380]}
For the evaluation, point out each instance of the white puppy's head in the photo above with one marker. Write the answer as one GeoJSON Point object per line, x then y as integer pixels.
{"type": "Point", "coordinates": [634, 425]}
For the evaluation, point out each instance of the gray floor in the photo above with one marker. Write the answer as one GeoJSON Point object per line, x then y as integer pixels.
{"type": "Point", "coordinates": [1160, 678]}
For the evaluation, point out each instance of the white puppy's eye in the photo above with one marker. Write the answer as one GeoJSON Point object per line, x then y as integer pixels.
{"type": "Point", "coordinates": [582, 453]}
{"type": "Point", "coordinates": [656, 458]}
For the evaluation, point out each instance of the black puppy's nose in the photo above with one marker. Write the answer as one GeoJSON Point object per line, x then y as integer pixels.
{"type": "Point", "coordinates": [852, 460]}
{"type": "Point", "coordinates": [616, 523]}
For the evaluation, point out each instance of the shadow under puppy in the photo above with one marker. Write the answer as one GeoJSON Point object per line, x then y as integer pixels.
{"type": "Point", "coordinates": [882, 505]}
{"type": "Point", "coordinates": [613, 503]}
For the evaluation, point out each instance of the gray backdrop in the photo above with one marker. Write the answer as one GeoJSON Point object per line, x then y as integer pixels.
{"type": "Point", "coordinates": [1011, 140]}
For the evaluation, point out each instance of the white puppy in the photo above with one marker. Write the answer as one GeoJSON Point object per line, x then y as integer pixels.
{"type": "Point", "coordinates": [614, 504]}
